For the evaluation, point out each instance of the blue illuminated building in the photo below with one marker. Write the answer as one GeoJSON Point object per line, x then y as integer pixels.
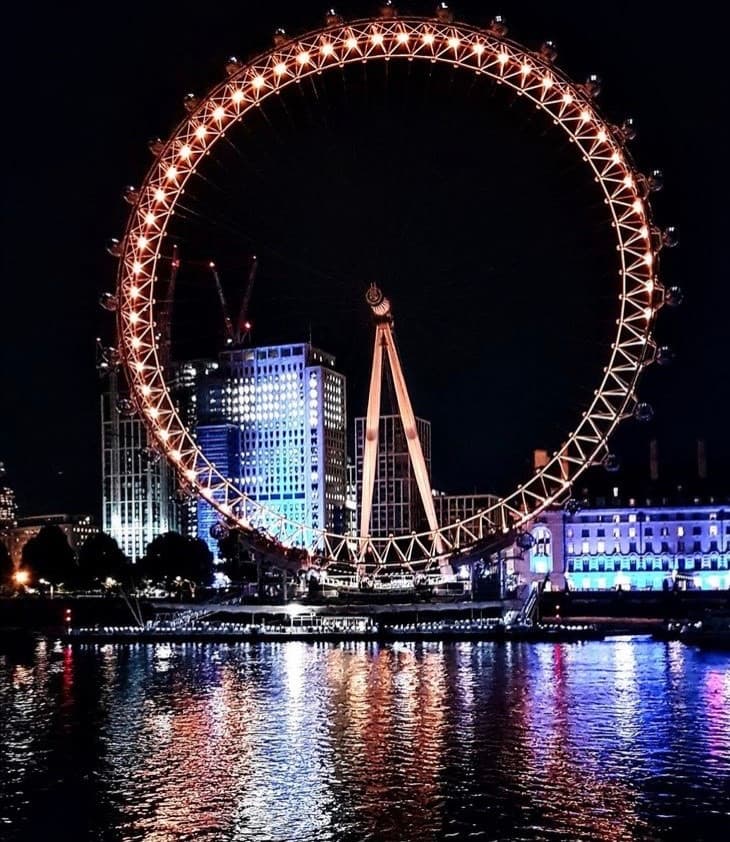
{"type": "Point", "coordinates": [633, 547]}
{"type": "Point", "coordinates": [273, 420]}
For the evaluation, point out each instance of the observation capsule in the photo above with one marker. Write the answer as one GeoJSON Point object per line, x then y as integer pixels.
{"type": "Point", "coordinates": [233, 65]}
{"type": "Point", "coordinates": [627, 130]}
{"type": "Point", "coordinates": [156, 145]}
{"type": "Point", "coordinates": [643, 412]}
{"type": "Point", "coordinates": [191, 102]}
{"type": "Point", "coordinates": [525, 540]}
{"type": "Point", "coordinates": [219, 531]}
{"type": "Point", "coordinates": [114, 247]}
{"type": "Point", "coordinates": [125, 406]}
{"type": "Point", "coordinates": [131, 195]}
{"type": "Point", "coordinates": [498, 26]}
{"type": "Point", "coordinates": [388, 10]}
{"type": "Point", "coordinates": [332, 18]}
{"type": "Point", "coordinates": [548, 52]}
{"type": "Point", "coordinates": [665, 355]}
{"type": "Point", "coordinates": [108, 301]}
{"type": "Point", "coordinates": [656, 181]}
{"type": "Point", "coordinates": [592, 86]}
{"type": "Point", "coordinates": [444, 13]}
{"type": "Point", "coordinates": [280, 37]}
{"type": "Point", "coordinates": [611, 463]}
{"type": "Point", "coordinates": [674, 296]}
{"type": "Point", "coordinates": [670, 237]}
{"type": "Point", "coordinates": [572, 506]}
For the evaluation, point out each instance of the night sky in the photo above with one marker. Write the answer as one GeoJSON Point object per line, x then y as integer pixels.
{"type": "Point", "coordinates": [470, 209]}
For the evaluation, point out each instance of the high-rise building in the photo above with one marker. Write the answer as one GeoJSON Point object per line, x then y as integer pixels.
{"type": "Point", "coordinates": [138, 486]}
{"type": "Point", "coordinates": [451, 508]}
{"type": "Point", "coordinates": [8, 507]}
{"type": "Point", "coordinates": [184, 384]}
{"type": "Point", "coordinates": [397, 508]}
{"type": "Point", "coordinates": [273, 420]}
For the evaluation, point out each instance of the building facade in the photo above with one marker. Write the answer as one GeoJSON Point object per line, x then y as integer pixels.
{"type": "Point", "coordinates": [451, 508]}
{"type": "Point", "coordinates": [273, 420]}
{"type": "Point", "coordinates": [397, 507]}
{"type": "Point", "coordinates": [138, 487]}
{"type": "Point", "coordinates": [76, 528]}
{"type": "Point", "coordinates": [8, 507]}
{"type": "Point", "coordinates": [632, 547]}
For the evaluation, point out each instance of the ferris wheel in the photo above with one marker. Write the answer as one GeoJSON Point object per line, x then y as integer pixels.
{"type": "Point", "coordinates": [482, 52]}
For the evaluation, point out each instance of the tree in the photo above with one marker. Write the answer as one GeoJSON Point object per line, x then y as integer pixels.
{"type": "Point", "coordinates": [173, 557]}
{"type": "Point", "coordinates": [48, 556]}
{"type": "Point", "coordinates": [100, 559]}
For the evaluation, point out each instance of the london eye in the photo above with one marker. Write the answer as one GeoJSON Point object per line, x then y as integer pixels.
{"type": "Point", "coordinates": [487, 54]}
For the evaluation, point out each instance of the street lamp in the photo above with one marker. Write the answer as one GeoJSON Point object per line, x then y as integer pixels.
{"type": "Point", "coordinates": [46, 582]}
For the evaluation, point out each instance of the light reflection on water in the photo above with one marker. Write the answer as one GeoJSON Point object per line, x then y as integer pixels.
{"type": "Point", "coordinates": [618, 740]}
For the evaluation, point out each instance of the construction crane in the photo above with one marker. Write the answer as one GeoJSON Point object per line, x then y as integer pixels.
{"type": "Point", "coordinates": [236, 336]}
{"type": "Point", "coordinates": [230, 333]}
{"type": "Point", "coordinates": [243, 328]}
{"type": "Point", "coordinates": [165, 320]}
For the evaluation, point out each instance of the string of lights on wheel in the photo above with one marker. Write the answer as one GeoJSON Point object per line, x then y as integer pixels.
{"type": "Point", "coordinates": [487, 52]}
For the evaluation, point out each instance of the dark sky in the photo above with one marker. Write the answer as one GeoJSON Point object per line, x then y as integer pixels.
{"type": "Point", "coordinates": [472, 212]}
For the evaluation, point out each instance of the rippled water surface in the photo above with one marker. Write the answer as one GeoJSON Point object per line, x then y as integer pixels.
{"type": "Point", "coordinates": [617, 740]}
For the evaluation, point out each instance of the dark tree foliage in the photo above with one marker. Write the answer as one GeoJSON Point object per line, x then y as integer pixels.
{"type": "Point", "coordinates": [6, 566]}
{"type": "Point", "coordinates": [100, 559]}
{"type": "Point", "coordinates": [49, 556]}
{"type": "Point", "coordinates": [171, 556]}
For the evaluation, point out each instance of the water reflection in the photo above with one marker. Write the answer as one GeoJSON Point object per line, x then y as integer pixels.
{"type": "Point", "coordinates": [616, 740]}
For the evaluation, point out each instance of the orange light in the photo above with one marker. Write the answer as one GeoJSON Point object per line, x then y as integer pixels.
{"type": "Point", "coordinates": [428, 39]}
{"type": "Point", "coordinates": [402, 38]}
{"type": "Point", "coordinates": [377, 39]}
{"type": "Point", "coordinates": [136, 342]}
{"type": "Point", "coordinates": [184, 154]}
{"type": "Point", "coordinates": [280, 69]}
{"type": "Point", "coordinates": [134, 292]}
{"type": "Point", "coordinates": [351, 43]}
{"type": "Point", "coordinates": [503, 58]}
{"type": "Point", "coordinates": [258, 82]}
{"type": "Point", "coordinates": [478, 49]}
{"type": "Point", "coordinates": [171, 173]}
{"type": "Point", "coordinates": [22, 577]}
{"type": "Point", "coordinates": [526, 69]}
{"type": "Point", "coordinates": [454, 43]}
{"type": "Point", "coordinates": [547, 82]}
{"type": "Point", "coordinates": [136, 267]}
{"type": "Point", "coordinates": [602, 136]}
{"type": "Point", "coordinates": [238, 95]}
{"type": "Point", "coordinates": [218, 114]}
{"type": "Point", "coordinates": [567, 99]}
{"type": "Point", "coordinates": [142, 242]}
{"type": "Point", "coordinates": [303, 58]}
{"type": "Point", "coordinates": [327, 49]}
{"type": "Point", "coordinates": [146, 390]}
{"type": "Point", "coordinates": [150, 218]}
{"type": "Point", "coordinates": [201, 132]}
{"type": "Point", "coordinates": [175, 455]}
{"type": "Point", "coordinates": [585, 115]}
{"type": "Point", "coordinates": [648, 258]}
{"type": "Point", "coordinates": [160, 195]}
{"type": "Point", "coordinates": [153, 412]}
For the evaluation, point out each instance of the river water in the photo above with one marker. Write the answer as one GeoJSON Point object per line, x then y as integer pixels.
{"type": "Point", "coordinates": [623, 739]}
